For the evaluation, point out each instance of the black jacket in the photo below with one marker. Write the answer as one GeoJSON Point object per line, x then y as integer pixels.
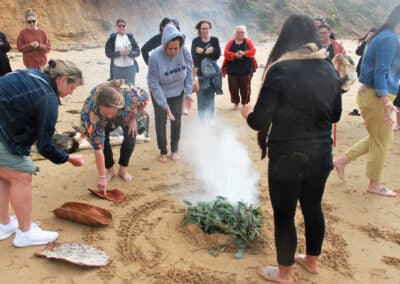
{"type": "Point", "coordinates": [111, 53]}
{"type": "Point", "coordinates": [4, 62]}
{"type": "Point", "coordinates": [360, 52]}
{"type": "Point", "coordinates": [301, 99]}
{"type": "Point", "coordinates": [151, 44]}
{"type": "Point", "coordinates": [197, 58]}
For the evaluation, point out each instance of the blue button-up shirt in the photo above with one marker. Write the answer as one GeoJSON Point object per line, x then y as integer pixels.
{"type": "Point", "coordinates": [380, 67]}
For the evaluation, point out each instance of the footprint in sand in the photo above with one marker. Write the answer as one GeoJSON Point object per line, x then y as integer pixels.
{"type": "Point", "coordinates": [48, 279]}
{"type": "Point", "coordinates": [377, 273]}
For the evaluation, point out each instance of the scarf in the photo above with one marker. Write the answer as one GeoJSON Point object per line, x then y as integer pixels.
{"type": "Point", "coordinates": [306, 52]}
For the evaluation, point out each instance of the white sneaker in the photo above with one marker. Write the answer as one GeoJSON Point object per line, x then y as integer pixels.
{"type": "Point", "coordinates": [8, 229]}
{"type": "Point", "coordinates": [142, 138]}
{"type": "Point", "coordinates": [35, 236]}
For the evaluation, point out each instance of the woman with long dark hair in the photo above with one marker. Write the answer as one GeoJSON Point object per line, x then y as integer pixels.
{"type": "Point", "coordinates": [379, 76]}
{"type": "Point", "coordinates": [300, 84]}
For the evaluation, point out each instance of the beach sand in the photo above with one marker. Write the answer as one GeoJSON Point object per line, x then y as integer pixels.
{"type": "Point", "coordinates": [146, 239]}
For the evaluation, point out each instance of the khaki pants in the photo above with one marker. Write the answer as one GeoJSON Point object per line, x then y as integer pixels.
{"type": "Point", "coordinates": [380, 136]}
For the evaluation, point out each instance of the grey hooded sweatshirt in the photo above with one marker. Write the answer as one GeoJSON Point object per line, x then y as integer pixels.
{"type": "Point", "coordinates": [167, 76]}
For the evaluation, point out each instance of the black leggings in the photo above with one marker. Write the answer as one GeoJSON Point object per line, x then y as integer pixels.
{"type": "Point", "coordinates": [126, 150]}
{"type": "Point", "coordinates": [175, 104]}
{"type": "Point", "coordinates": [297, 176]}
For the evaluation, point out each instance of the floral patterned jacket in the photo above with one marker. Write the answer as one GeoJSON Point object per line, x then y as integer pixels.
{"type": "Point", "coordinates": [93, 124]}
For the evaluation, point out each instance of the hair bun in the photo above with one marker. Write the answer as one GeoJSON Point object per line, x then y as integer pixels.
{"type": "Point", "coordinates": [52, 63]}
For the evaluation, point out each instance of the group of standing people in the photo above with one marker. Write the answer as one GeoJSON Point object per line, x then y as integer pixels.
{"type": "Point", "coordinates": [299, 84]}
{"type": "Point", "coordinates": [172, 70]}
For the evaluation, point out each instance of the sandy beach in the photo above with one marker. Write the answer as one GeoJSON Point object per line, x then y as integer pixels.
{"type": "Point", "coordinates": [146, 239]}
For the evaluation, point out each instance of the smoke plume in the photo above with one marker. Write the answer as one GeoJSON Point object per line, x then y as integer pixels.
{"type": "Point", "coordinates": [220, 163]}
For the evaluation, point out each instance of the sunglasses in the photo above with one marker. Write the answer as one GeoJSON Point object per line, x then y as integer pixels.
{"type": "Point", "coordinates": [31, 21]}
{"type": "Point", "coordinates": [121, 26]}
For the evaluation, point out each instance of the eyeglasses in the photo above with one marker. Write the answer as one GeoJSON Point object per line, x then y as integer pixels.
{"type": "Point", "coordinates": [31, 21]}
{"type": "Point", "coordinates": [121, 26]}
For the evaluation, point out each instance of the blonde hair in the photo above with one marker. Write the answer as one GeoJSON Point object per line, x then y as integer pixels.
{"type": "Point", "coordinates": [58, 68]}
{"type": "Point", "coordinates": [30, 12]}
{"type": "Point", "coordinates": [107, 94]}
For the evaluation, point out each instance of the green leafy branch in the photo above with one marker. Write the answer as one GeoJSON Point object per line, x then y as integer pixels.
{"type": "Point", "coordinates": [221, 217]}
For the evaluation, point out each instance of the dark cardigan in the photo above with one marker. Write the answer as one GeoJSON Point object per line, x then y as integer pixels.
{"type": "Point", "coordinates": [300, 99]}
{"type": "Point", "coordinates": [111, 53]}
{"type": "Point", "coordinates": [5, 66]}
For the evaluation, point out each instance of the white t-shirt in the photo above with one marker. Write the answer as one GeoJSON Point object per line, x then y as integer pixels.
{"type": "Point", "coordinates": [122, 42]}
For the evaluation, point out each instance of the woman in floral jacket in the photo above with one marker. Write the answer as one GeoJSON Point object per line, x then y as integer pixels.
{"type": "Point", "coordinates": [112, 104]}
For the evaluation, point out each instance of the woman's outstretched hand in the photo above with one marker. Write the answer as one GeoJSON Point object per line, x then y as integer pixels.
{"type": "Point", "coordinates": [76, 160]}
{"type": "Point", "coordinates": [102, 184]}
{"type": "Point", "coordinates": [388, 109]}
{"type": "Point", "coordinates": [132, 127]}
{"type": "Point", "coordinates": [188, 103]}
{"type": "Point", "coordinates": [246, 110]}
{"type": "Point", "coordinates": [170, 115]}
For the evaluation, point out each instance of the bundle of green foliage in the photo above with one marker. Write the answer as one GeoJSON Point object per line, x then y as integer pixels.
{"type": "Point", "coordinates": [221, 217]}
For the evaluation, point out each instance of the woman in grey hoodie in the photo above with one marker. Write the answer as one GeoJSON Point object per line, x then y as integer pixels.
{"type": "Point", "coordinates": [170, 80]}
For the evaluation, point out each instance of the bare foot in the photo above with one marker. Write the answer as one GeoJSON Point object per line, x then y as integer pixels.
{"type": "Point", "coordinates": [110, 174]}
{"type": "Point", "coordinates": [175, 156]}
{"type": "Point", "coordinates": [235, 106]}
{"type": "Point", "coordinates": [126, 176]}
{"type": "Point", "coordinates": [271, 273]}
{"type": "Point", "coordinates": [340, 164]}
{"type": "Point", "coordinates": [306, 263]}
{"type": "Point", "coordinates": [163, 158]}
{"type": "Point", "coordinates": [123, 173]}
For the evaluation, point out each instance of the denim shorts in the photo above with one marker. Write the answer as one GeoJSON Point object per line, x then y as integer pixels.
{"type": "Point", "coordinates": [19, 163]}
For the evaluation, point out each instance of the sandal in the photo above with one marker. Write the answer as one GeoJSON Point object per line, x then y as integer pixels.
{"type": "Point", "coordinates": [271, 273]}
{"type": "Point", "coordinates": [355, 112]}
{"type": "Point", "coordinates": [163, 158]}
{"type": "Point", "coordinates": [384, 191]}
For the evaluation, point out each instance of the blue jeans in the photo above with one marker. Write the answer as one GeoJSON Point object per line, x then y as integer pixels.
{"type": "Point", "coordinates": [205, 103]}
{"type": "Point", "coordinates": [127, 73]}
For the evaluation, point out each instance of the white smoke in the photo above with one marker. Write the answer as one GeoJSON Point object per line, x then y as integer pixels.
{"type": "Point", "coordinates": [220, 163]}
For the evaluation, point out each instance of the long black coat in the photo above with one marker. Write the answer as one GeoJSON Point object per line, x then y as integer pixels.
{"type": "Point", "coordinates": [4, 48]}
